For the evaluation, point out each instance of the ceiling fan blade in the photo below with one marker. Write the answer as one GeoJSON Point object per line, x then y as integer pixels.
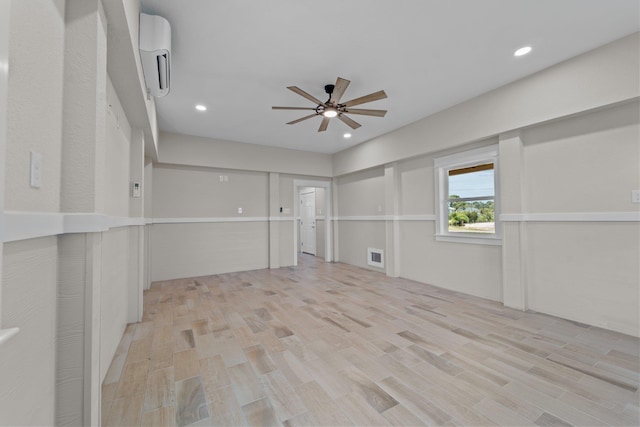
{"type": "Point", "coordinates": [338, 90]}
{"type": "Point", "coordinates": [301, 119]}
{"type": "Point", "coordinates": [349, 122]}
{"type": "Point", "coordinates": [292, 108]}
{"type": "Point", "coordinates": [365, 112]}
{"type": "Point", "coordinates": [367, 98]}
{"type": "Point", "coordinates": [305, 94]}
{"type": "Point", "coordinates": [324, 124]}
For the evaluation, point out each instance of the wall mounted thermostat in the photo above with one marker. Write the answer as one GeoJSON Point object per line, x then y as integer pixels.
{"type": "Point", "coordinates": [136, 190]}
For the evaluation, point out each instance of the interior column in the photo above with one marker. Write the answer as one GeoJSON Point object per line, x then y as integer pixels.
{"type": "Point", "coordinates": [392, 205]}
{"type": "Point", "coordinates": [82, 192]}
{"type": "Point", "coordinates": [274, 226]}
{"type": "Point", "coordinates": [511, 170]}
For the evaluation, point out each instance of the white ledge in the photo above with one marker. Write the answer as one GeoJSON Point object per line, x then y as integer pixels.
{"type": "Point", "coordinates": [210, 220]}
{"type": "Point", "coordinates": [7, 334]}
{"type": "Point", "coordinates": [572, 217]}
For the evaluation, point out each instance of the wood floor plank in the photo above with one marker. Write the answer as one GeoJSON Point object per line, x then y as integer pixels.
{"type": "Point", "coordinates": [160, 389]}
{"type": "Point", "coordinates": [361, 412]}
{"type": "Point", "coordinates": [164, 416]}
{"type": "Point", "coordinates": [191, 403]}
{"type": "Point", "coordinates": [134, 380]}
{"type": "Point", "coordinates": [259, 359]}
{"type": "Point", "coordinates": [282, 395]}
{"type": "Point", "coordinates": [186, 364]}
{"type": "Point", "coordinates": [245, 383]}
{"type": "Point", "coordinates": [126, 411]}
{"type": "Point", "coordinates": [375, 396]}
{"type": "Point", "coordinates": [224, 409]}
{"type": "Point", "coordinates": [417, 403]}
{"type": "Point", "coordinates": [399, 415]}
{"type": "Point", "coordinates": [333, 344]}
{"type": "Point", "coordinates": [303, 420]}
{"type": "Point", "coordinates": [214, 375]}
{"type": "Point", "coordinates": [260, 413]}
{"type": "Point", "coordinates": [321, 406]}
{"type": "Point", "coordinates": [499, 414]}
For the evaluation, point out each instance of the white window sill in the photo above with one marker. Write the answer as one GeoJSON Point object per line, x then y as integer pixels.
{"type": "Point", "coordinates": [469, 238]}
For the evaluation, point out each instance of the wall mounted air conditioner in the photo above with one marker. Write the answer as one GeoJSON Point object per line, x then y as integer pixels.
{"type": "Point", "coordinates": [155, 53]}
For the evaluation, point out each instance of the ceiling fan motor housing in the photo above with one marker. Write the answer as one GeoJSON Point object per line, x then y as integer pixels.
{"type": "Point", "coordinates": [329, 88]}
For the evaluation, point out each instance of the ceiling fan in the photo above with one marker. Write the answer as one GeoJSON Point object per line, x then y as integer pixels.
{"type": "Point", "coordinates": [333, 108]}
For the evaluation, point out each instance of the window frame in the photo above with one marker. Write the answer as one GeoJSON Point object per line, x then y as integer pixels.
{"type": "Point", "coordinates": [465, 159]}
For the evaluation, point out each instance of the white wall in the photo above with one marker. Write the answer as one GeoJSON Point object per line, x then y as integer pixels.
{"type": "Point", "coordinates": [361, 213]}
{"type": "Point", "coordinates": [27, 362]}
{"type": "Point", "coordinates": [585, 271]}
{"type": "Point", "coordinates": [603, 76]}
{"type": "Point", "coordinates": [66, 279]}
{"type": "Point", "coordinates": [197, 151]}
{"type": "Point", "coordinates": [472, 269]}
{"type": "Point", "coordinates": [197, 229]}
{"type": "Point", "coordinates": [117, 249]}
{"type": "Point", "coordinates": [222, 240]}
{"type": "Point", "coordinates": [569, 155]}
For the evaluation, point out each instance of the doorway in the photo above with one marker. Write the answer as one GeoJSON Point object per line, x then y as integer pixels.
{"type": "Point", "coordinates": [308, 221]}
{"type": "Point", "coordinates": [322, 218]}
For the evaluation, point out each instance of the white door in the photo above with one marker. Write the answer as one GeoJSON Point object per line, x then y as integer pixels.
{"type": "Point", "coordinates": [308, 223]}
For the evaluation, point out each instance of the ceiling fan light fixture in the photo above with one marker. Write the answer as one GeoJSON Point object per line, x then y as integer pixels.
{"type": "Point", "coordinates": [330, 112]}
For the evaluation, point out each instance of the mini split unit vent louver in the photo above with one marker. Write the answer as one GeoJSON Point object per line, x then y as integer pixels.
{"type": "Point", "coordinates": [155, 53]}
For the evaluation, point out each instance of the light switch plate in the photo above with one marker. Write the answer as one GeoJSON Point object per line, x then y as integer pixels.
{"type": "Point", "coordinates": [35, 170]}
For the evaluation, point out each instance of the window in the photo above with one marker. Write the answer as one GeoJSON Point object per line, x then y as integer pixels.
{"type": "Point", "coordinates": [466, 201]}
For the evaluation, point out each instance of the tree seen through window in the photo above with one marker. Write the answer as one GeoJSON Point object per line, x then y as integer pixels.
{"type": "Point", "coordinates": [471, 199]}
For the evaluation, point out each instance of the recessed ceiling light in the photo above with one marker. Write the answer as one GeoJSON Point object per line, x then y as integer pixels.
{"type": "Point", "coordinates": [201, 107]}
{"type": "Point", "coordinates": [522, 51]}
{"type": "Point", "coordinates": [347, 135]}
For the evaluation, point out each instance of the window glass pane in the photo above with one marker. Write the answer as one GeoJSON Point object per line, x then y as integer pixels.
{"type": "Point", "coordinates": [471, 182]}
{"type": "Point", "coordinates": [474, 214]}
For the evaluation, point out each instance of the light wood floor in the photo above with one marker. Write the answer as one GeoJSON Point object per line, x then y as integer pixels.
{"type": "Point", "coordinates": [332, 344]}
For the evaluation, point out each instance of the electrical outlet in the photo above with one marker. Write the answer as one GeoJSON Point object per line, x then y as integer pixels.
{"type": "Point", "coordinates": [635, 196]}
{"type": "Point", "coordinates": [239, 210]}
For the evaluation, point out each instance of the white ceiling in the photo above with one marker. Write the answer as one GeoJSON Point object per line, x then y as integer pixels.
{"type": "Point", "coordinates": [238, 56]}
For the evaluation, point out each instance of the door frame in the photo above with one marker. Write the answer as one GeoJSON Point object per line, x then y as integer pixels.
{"type": "Point", "coordinates": [298, 184]}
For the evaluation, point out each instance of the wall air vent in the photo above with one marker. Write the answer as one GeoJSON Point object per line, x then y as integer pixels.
{"type": "Point", "coordinates": [375, 257]}
{"type": "Point", "coordinates": [155, 53]}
